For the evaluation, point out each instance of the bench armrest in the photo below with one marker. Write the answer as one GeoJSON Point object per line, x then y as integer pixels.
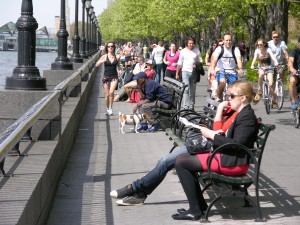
{"type": "Point", "coordinates": [227, 147]}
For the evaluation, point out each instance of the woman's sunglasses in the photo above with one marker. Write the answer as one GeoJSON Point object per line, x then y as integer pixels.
{"type": "Point", "coordinates": [232, 96]}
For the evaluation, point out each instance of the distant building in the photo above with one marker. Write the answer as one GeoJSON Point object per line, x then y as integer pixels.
{"type": "Point", "coordinates": [8, 36]}
{"type": "Point", "coordinates": [45, 40]}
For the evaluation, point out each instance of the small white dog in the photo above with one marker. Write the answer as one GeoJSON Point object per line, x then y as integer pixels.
{"type": "Point", "coordinates": [134, 119]}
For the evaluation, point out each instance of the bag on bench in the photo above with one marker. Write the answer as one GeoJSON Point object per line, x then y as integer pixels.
{"type": "Point", "coordinates": [196, 143]}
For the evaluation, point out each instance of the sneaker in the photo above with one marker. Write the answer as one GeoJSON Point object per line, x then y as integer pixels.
{"type": "Point", "coordinates": [123, 192]}
{"type": "Point", "coordinates": [294, 106]}
{"type": "Point", "coordinates": [106, 112]}
{"type": "Point", "coordinates": [154, 127]}
{"type": "Point", "coordinates": [110, 112]}
{"type": "Point", "coordinates": [142, 126]}
{"type": "Point", "coordinates": [136, 199]}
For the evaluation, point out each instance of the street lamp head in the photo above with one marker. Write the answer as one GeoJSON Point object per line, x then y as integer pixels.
{"type": "Point", "coordinates": [91, 10]}
{"type": "Point", "coordinates": [88, 3]}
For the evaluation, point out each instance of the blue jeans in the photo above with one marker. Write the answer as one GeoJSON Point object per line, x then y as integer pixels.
{"type": "Point", "coordinates": [151, 180]}
{"type": "Point", "coordinates": [188, 99]}
{"type": "Point", "coordinates": [158, 69]}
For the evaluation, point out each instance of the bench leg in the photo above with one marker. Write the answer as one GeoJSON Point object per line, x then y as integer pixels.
{"type": "Point", "coordinates": [210, 206]}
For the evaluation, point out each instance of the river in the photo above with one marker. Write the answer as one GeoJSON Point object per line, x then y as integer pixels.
{"type": "Point", "coordinates": [9, 60]}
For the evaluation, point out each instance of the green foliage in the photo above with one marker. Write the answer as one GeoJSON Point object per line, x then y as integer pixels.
{"type": "Point", "coordinates": [292, 46]}
{"type": "Point", "coordinates": [174, 19]}
{"type": "Point", "coordinates": [251, 74]}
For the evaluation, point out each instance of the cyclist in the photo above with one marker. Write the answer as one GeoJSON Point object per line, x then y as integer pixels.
{"type": "Point", "coordinates": [264, 55]}
{"type": "Point", "coordinates": [279, 49]}
{"type": "Point", "coordinates": [229, 60]}
{"type": "Point", "coordinates": [294, 65]}
{"type": "Point", "coordinates": [208, 55]}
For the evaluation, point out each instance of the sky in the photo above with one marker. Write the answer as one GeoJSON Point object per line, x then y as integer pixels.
{"type": "Point", "coordinates": [44, 11]}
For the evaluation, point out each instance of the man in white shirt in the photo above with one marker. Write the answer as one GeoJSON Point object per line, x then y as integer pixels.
{"type": "Point", "coordinates": [158, 55]}
{"type": "Point", "coordinates": [279, 49]}
{"type": "Point", "coordinates": [226, 59]}
{"type": "Point", "coordinates": [187, 61]}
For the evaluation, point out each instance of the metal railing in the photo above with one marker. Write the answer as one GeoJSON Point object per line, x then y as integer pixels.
{"type": "Point", "coordinates": [14, 133]}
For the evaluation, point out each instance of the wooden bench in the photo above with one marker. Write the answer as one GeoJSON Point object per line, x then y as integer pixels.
{"type": "Point", "coordinates": [176, 90]}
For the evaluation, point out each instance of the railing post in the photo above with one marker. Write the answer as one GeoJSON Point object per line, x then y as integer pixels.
{"type": "Point", "coordinates": [26, 76]}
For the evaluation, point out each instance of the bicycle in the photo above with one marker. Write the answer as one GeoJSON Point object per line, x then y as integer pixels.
{"type": "Point", "coordinates": [296, 112]}
{"type": "Point", "coordinates": [266, 97]}
{"type": "Point", "coordinates": [226, 73]}
{"type": "Point", "coordinates": [279, 89]}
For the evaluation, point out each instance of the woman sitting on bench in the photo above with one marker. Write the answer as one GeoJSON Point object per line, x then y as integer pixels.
{"type": "Point", "coordinates": [243, 131]}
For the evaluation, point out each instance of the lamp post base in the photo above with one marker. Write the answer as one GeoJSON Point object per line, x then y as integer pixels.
{"type": "Point", "coordinates": [62, 66]}
{"type": "Point", "coordinates": [77, 59]}
{"type": "Point", "coordinates": [35, 84]}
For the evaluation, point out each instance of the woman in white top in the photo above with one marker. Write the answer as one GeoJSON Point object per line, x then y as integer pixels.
{"type": "Point", "coordinates": [187, 60]}
{"type": "Point", "coordinates": [264, 55]}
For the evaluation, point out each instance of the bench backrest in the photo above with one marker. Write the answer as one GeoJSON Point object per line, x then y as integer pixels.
{"type": "Point", "coordinates": [176, 88]}
{"type": "Point", "coordinates": [261, 139]}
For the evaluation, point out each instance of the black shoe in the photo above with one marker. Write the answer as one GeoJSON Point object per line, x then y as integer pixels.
{"type": "Point", "coordinates": [123, 192]}
{"type": "Point", "coordinates": [182, 210]}
{"type": "Point", "coordinates": [184, 216]}
{"type": "Point", "coordinates": [136, 199]}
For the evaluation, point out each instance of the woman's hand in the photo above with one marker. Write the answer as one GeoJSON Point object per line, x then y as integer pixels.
{"type": "Point", "coordinates": [208, 133]}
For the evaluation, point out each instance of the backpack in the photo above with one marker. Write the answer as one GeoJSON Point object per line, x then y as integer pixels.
{"type": "Point", "coordinates": [222, 52]}
{"type": "Point", "coordinates": [135, 96]}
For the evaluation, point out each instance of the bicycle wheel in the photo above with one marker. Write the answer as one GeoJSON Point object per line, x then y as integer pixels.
{"type": "Point", "coordinates": [267, 98]}
{"type": "Point", "coordinates": [296, 114]}
{"type": "Point", "coordinates": [279, 93]}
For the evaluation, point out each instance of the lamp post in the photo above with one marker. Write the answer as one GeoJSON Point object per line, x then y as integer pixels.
{"type": "Point", "coordinates": [76, 56]}
{"type": "Point", "coordinates": [88, 5]}
{"type": "Point", "coordinates": [83, 40]}
{"type": "Point", "coordinates": [62, 61]}
{"type": "Point", "coordinates": [26, 76]}
{"type": "Point", "coordinates": [90, 31]}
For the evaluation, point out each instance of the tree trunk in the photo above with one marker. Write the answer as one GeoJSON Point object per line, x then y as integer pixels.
{"type": "Point", "coordinates": [277, 19]}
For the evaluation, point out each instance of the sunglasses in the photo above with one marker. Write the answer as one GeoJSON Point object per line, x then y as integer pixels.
{"type": "Point", "coordinates": [110, 46]}
{"type": "Point", "coordinates": [232, 96]}
{"type": "Point", "coordinates": [259, 44]}
{"type": "Point", "coordinates": [275, 37]}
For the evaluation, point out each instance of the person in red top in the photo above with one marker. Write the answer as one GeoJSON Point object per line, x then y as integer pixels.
{"type": "Point", "coordinates": [149, 70]}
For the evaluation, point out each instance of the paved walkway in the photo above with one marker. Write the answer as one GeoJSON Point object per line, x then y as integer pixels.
{"type": "Point", "coordinates": [104, 159]}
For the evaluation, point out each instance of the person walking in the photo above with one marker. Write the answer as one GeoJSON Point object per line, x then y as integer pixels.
{"type": "Point", "coordinates": [157, 55]}
{"type": "Point", "coordinates": [187, 62]}
{"type": "Point", "coordinates": [111, 62]}
{"type": "Point", "coordinates": [170, 59]}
